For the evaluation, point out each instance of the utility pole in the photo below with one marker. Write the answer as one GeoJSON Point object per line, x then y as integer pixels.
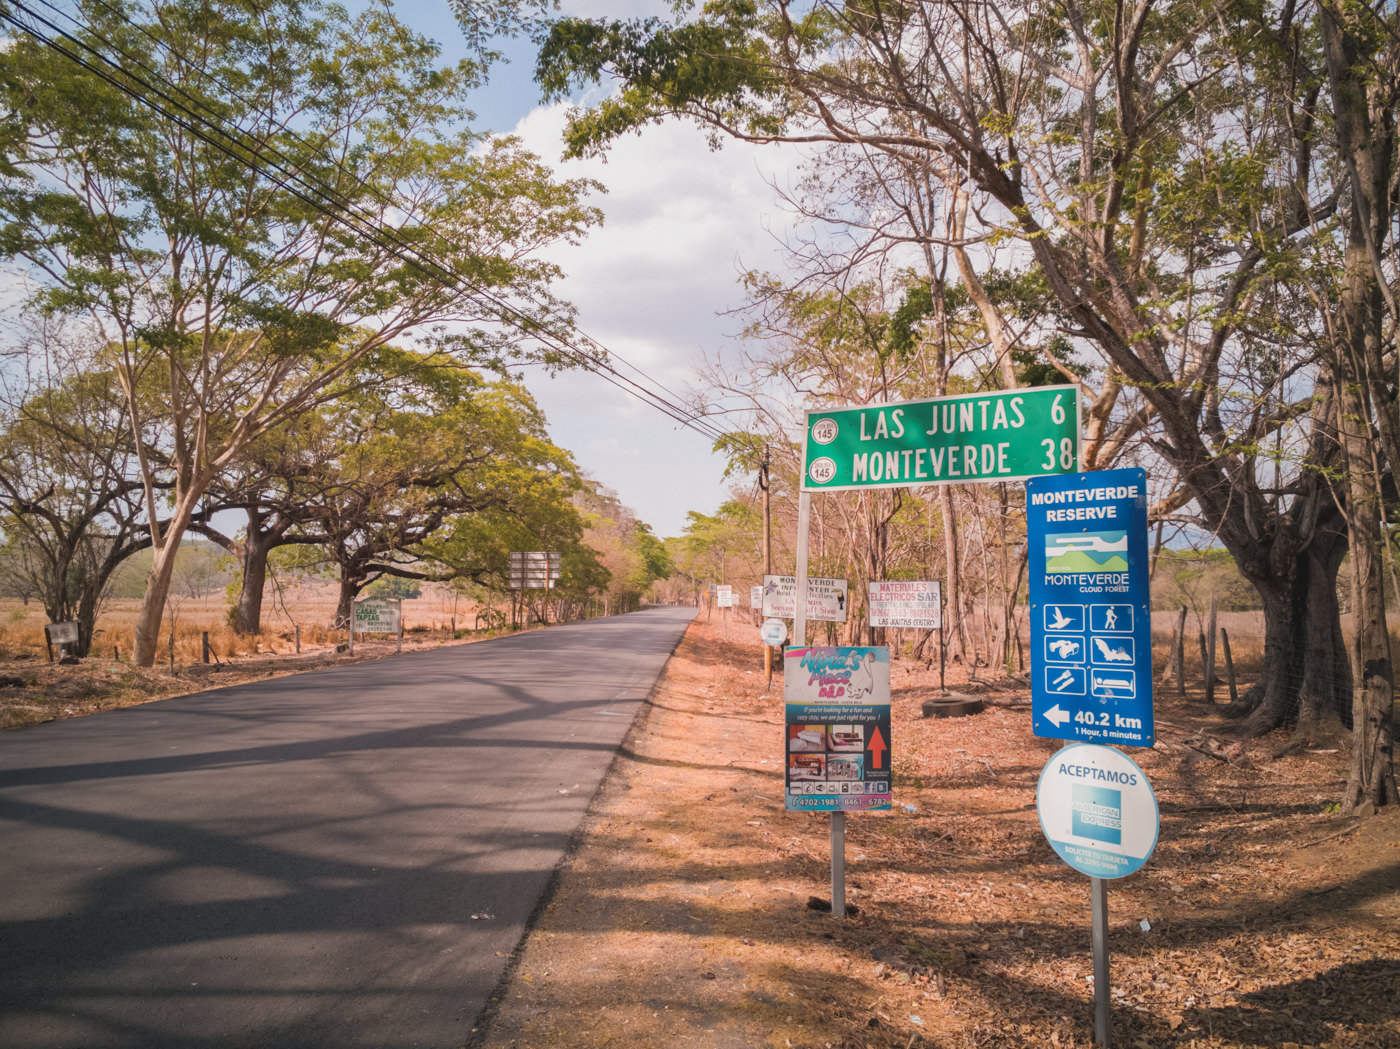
{"type": "Point", "coordinates": [764, 486]}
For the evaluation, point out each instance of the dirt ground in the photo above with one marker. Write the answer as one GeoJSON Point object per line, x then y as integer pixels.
{"type": "Point", "coordinates": [687, 914]}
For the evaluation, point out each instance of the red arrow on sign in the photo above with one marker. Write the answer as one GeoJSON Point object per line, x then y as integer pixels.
{"type": "Point", "coordinates": [877, 747]}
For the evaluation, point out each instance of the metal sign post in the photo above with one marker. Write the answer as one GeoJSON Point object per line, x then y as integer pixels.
{"type": "Point", "coordinates": [799, 640]}
{"type": "Point", "coordinates": [1103, 1025]}
{"type": "Point", "coordinates": [1098, 812]}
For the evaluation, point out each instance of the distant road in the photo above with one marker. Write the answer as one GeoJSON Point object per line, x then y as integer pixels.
{"type": "Point", "coordinates": [340, 859]}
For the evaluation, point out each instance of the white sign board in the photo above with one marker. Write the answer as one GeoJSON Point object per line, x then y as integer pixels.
{"type": "Point", "coordinates": [826, 598]}
{"type": "Point", "coordinates": [724, 596]}
{"type": "Point", "coordinates": [534, 569]}
{"type": "Point", "coordinates": [755, 597]}
{"type": "Point", "coordinates": [906, 603]}
{"type": "Point", "coordinates": [377, 615]}
{"type": "Point", "coordinates": [62, 633]}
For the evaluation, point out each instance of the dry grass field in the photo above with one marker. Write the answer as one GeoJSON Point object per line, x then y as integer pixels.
{"type": "Point", "coordinates": [307, 606]}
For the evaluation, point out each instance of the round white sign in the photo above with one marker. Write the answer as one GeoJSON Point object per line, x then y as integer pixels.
{"type": "Point", "coordinates": [773, 632]}
{"type": "Point", "coordinates": [822, 470]}
{"type": "Point", "coordinates": [1097, 810]}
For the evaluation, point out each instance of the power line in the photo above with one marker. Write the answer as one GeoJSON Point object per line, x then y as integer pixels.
{"type": "Point", "coordinates": [272, 164]}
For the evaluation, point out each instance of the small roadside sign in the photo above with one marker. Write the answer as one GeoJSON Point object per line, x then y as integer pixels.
{"type": "Point", "coordinates": [724, 596]}
{"type": "Point", "coordinates": [377, 615]}
{"type": "Point", "coordinates": [1097, 810]}
{"type": "Point", "coordinates": [534, 569]}
{"type": "Point", "coordinates": [906, 603]}
{"type": "Point", "coordinates": [1091, 621]}
{"type": "Point", "coordinates": [773, 632]}
{"type": "Point", "coordinates": [837, 745]}
{"type": "Point", "coordinates": [756, 597]}
{"type": "Point", "coordinates": [826, 598]}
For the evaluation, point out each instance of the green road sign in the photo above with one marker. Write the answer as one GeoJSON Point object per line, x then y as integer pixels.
{"type": "Point", "coordinates": [1005, 436]}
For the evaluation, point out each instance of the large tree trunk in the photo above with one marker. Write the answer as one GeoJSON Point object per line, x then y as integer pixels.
{"type": "Point", "coordinates": [351, 583]}
{"type": "Point", "coordinates": [1324, 692]}
{"type": "Point", "coordinates": [247, 613]}
{"type": "Point", "coordinates": [148, 621]}
{"type": "Point", "coordinates": [164, 549]}
{"type": "Point", "coordinates": [1359, 50]}
{"type": "Point", "coordinates": [1306, 677]}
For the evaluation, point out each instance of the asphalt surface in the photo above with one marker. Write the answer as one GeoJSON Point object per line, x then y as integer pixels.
{"type": "Point", "coordinates": [340, 859]}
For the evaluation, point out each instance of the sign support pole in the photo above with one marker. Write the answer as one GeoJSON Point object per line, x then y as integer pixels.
{"type": "Point", "coordinates": [1103, 1024]}
{"type": "Point", "coordinates": [838, 864]}
{"type": "Point", "coordinates": [804, 531]}
{"type": "Point", "coordinates": [799, 639]}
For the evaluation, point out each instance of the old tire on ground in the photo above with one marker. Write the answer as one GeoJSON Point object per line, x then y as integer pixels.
{"type": "Point", "coordinates": [952, 706]}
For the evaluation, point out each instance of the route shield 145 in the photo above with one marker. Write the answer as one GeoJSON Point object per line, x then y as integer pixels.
{"type": "Point", "coordinates": [1091, 622]}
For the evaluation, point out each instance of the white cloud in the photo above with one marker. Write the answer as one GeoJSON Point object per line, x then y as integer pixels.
{"type": "Point", "coordinates": [651, 285]}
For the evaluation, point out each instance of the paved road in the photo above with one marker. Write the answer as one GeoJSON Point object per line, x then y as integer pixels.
{"type": "Point", "coordinates": [339, 859]}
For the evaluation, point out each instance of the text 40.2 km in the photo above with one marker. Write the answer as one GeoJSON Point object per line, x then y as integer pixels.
{"type": "Point", "coordinates": [1104, 719]}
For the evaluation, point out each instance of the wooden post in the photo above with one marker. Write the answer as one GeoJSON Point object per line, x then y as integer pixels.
{"type": "Point", "coordinates": [1210, 653]}
{"type": "Point", "coordinates": [1205, 671]}
{"type": "Point", "coordinates": [48, 643]}
{"type": "Point", "coordinates": [116, 654]}
{"type": "Point", "coordinates": [205, 639]}
{"type": "Point", "coordinates": [297, 630]}
{"type": "Point", "coordinates": [172, 651]}
{"type": "Point", "coordinates": [1229, 665]}
{"type": "Point", "coordinates": [1179, 653]}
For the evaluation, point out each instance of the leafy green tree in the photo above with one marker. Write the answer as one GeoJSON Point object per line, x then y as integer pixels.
{"type": "Point", "coordinates": [633, 557]}
{"type": "Point", "coordinates": [409, 482]}
{"type": "Point", "coordinates": [246, 298]}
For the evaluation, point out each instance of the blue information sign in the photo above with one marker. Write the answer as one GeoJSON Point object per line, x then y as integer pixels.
{"type": "Point", "coordinates": [1091, 623]}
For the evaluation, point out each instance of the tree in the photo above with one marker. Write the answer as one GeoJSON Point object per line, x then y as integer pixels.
{"type": "Point", "coordinates": [1165, 166]}
{"type": "Point", "coordinates": [1362, 60]}
{"type": "Point", "coordinates": [249, 295]}
{"type": "Point", "coordinates": [72, 511]}
{"type": "Point", "coordinates": [406, 478]}
{"type": "Point", "coordinates": [626, 548]}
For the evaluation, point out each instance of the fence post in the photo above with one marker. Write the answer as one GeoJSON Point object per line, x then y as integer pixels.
{"type": "Point", "coordinates": [1229, 665]}
{"type": "Point", "coordinates": [1210, 654]}
{"type": "Point", "coordinates": [1179, 653]}
{"type": "Point", "coordinates": [1205, 664]}
{"type": "Point", "coordinates": [205, 639]}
